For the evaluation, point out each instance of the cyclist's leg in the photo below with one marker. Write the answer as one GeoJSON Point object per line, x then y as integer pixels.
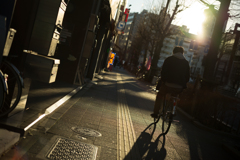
{"type": "Point", "coordinates": [159, 101]}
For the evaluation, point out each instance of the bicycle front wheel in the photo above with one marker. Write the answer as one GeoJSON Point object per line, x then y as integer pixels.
{"type": "Point", "coordinates": [166, 117]}
{"type": "Point", "coordinates": [14, 88]}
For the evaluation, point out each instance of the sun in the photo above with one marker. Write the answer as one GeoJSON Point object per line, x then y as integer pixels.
{"type": "Point", "coordinates": [195, 20]}
{"type": "Point", "coordinates": [193, 17]}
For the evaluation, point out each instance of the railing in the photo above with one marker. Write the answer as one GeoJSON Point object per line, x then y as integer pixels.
{"type": "Point", "coordinates": [212, 109]}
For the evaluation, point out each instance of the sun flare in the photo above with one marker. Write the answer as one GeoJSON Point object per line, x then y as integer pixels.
{"type": "Point", "coordinates": [193, 18]}
{"type": "Point", "coordinates": [196, 20]}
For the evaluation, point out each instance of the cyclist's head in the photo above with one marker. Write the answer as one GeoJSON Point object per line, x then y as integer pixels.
{"type": "Point", "coordinates": [178, 49]}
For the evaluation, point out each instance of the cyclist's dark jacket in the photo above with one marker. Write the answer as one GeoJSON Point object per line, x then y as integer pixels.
{"type": "Point", "coordinates": [176, 70]}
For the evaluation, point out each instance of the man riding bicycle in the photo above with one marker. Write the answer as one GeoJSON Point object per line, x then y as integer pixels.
{"type": "Point", "coordinates": [174, 77]}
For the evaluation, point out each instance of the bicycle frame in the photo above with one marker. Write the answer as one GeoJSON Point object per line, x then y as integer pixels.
{"type": "Point", "coordinates": [17, 71]}
{"type": "Point", "coordinates": [167, 115]}
{"type": "Point", "coordinates": [3, 81]}
{"type": "Point", "coordinates": [175, 99]}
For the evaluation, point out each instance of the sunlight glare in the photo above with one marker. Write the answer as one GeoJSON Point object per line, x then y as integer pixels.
{"type": "Point", "coordinates": [197, 20]}
{"type": "Point", "coordinates": [193, 18]}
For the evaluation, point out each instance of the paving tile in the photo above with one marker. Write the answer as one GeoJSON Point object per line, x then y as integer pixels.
{"type": "Point", "coordinates": [69, 119]}
{"type": "Point", "coordinates": [108, 153]}
{"type": "Point", "coordinates": [60, 132]}
{"type": "Point", "coordinates": [103, 143]}
{"type": "Point", "coordinates": [89, 125]}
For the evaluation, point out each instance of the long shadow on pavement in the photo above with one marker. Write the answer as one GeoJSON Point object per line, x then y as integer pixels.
{"type": "Point", "coordinates": [148, 150]}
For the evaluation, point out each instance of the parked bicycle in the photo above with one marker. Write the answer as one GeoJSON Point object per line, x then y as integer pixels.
{"type": "Point", "coordinates": [11, 84]}
{"type": "Point", "coordinates": [167, 112]}
{"type": "Point", "coordinates": [140, 74]}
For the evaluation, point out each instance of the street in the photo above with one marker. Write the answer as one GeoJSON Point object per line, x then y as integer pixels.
{"type": "Point", "coordinates": [116, 107]}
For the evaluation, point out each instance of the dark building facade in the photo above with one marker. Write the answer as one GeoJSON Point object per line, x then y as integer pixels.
{"type": "Point", "coordinates": [71, 31]}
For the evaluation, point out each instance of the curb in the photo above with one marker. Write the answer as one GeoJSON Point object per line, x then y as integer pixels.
{"type": "Point", "coordinates": [8, 143]}
{"type": "Point", "coordinates": [61, 101]}
{"type": "Point", "coordinates": [185, 114]}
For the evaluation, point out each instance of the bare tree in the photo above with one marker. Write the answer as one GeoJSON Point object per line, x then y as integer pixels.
{"type": "Point", "coordinates": [136, 48]}
{"type": "Point", "coordinates": [234, 10]}
{"type": "Point", "coordinates": [227, 9]}
{"type": "Point", "coordinates": [155, 26]}
{"type": "Point", "coordinates": [159, 20]}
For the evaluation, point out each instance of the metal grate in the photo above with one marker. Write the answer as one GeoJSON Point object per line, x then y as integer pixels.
{"type": "Point", "coordinates": [66, 149]}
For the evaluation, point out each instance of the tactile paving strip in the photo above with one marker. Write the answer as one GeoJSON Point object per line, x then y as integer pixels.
{"type": "Point", "coordinates": [66, 149]}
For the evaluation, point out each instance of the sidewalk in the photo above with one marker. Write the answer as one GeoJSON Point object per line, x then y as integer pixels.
{"type": "Point", "coordinates": [86, 109]}
{"type": "Point", "coordinates": [108, 119]}
{"type": "Point", "coordinates": [39, 97]}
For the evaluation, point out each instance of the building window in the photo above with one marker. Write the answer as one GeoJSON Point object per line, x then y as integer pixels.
{"type": "Point", "coordinates": [179, 41]}
{"type": "Point", "coordinates": [193, 45]}
{"type": "Point", "coordinates": [129, 23]}
{"type": "Point", "coordinates": [131, 17]}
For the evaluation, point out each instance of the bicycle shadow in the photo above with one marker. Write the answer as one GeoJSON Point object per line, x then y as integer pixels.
{"type": "Point", "coordinates": [147, 148]}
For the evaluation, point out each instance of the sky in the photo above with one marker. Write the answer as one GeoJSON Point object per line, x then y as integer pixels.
{"type": "Point", "coordinates": [191, 17]}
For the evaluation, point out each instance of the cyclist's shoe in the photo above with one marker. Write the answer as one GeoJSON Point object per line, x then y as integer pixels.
{"type": "Point", "coordinates": [153, 115]}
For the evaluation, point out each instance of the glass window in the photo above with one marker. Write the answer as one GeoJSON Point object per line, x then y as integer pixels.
{"type": "Point", "coordinates": [131, 17]}
{"type": "Point", "coordinates": [129, 22]}
{"type": "Point", "coordinates": [181, 42]}
{"type": "Point", "coordinates": [176, 41]}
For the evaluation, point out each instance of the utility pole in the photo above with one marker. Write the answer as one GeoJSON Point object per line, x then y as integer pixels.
{"type": "Point", "coordinates": [211, 57]}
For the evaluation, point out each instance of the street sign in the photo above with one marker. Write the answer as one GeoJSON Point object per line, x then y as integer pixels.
{"type": "Point", "coordinates": [112, 58]}
{"type": "Point", "coordinates": [121, 25]}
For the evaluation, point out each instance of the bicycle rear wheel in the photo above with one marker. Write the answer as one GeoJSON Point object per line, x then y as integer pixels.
{"type": "Point", "coordinates": [14, 88]}
{"type": "Point", "coordinates": [166, 117]}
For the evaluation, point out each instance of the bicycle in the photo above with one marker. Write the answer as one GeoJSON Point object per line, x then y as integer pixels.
{"type": "Point", "coordinates": [140, 74]}
{"type": "Point", "coordinates": [168, 111]}
{"type": "Point", "coordinates": [11, 84]}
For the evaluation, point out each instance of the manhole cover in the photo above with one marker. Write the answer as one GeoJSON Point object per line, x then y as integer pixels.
{"type": "Point", "coordinates": [80, 137]}
{"type": "Point", "coordinates": [86, 131]}
{"type": "Point", "coordinates": [72, 150]}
